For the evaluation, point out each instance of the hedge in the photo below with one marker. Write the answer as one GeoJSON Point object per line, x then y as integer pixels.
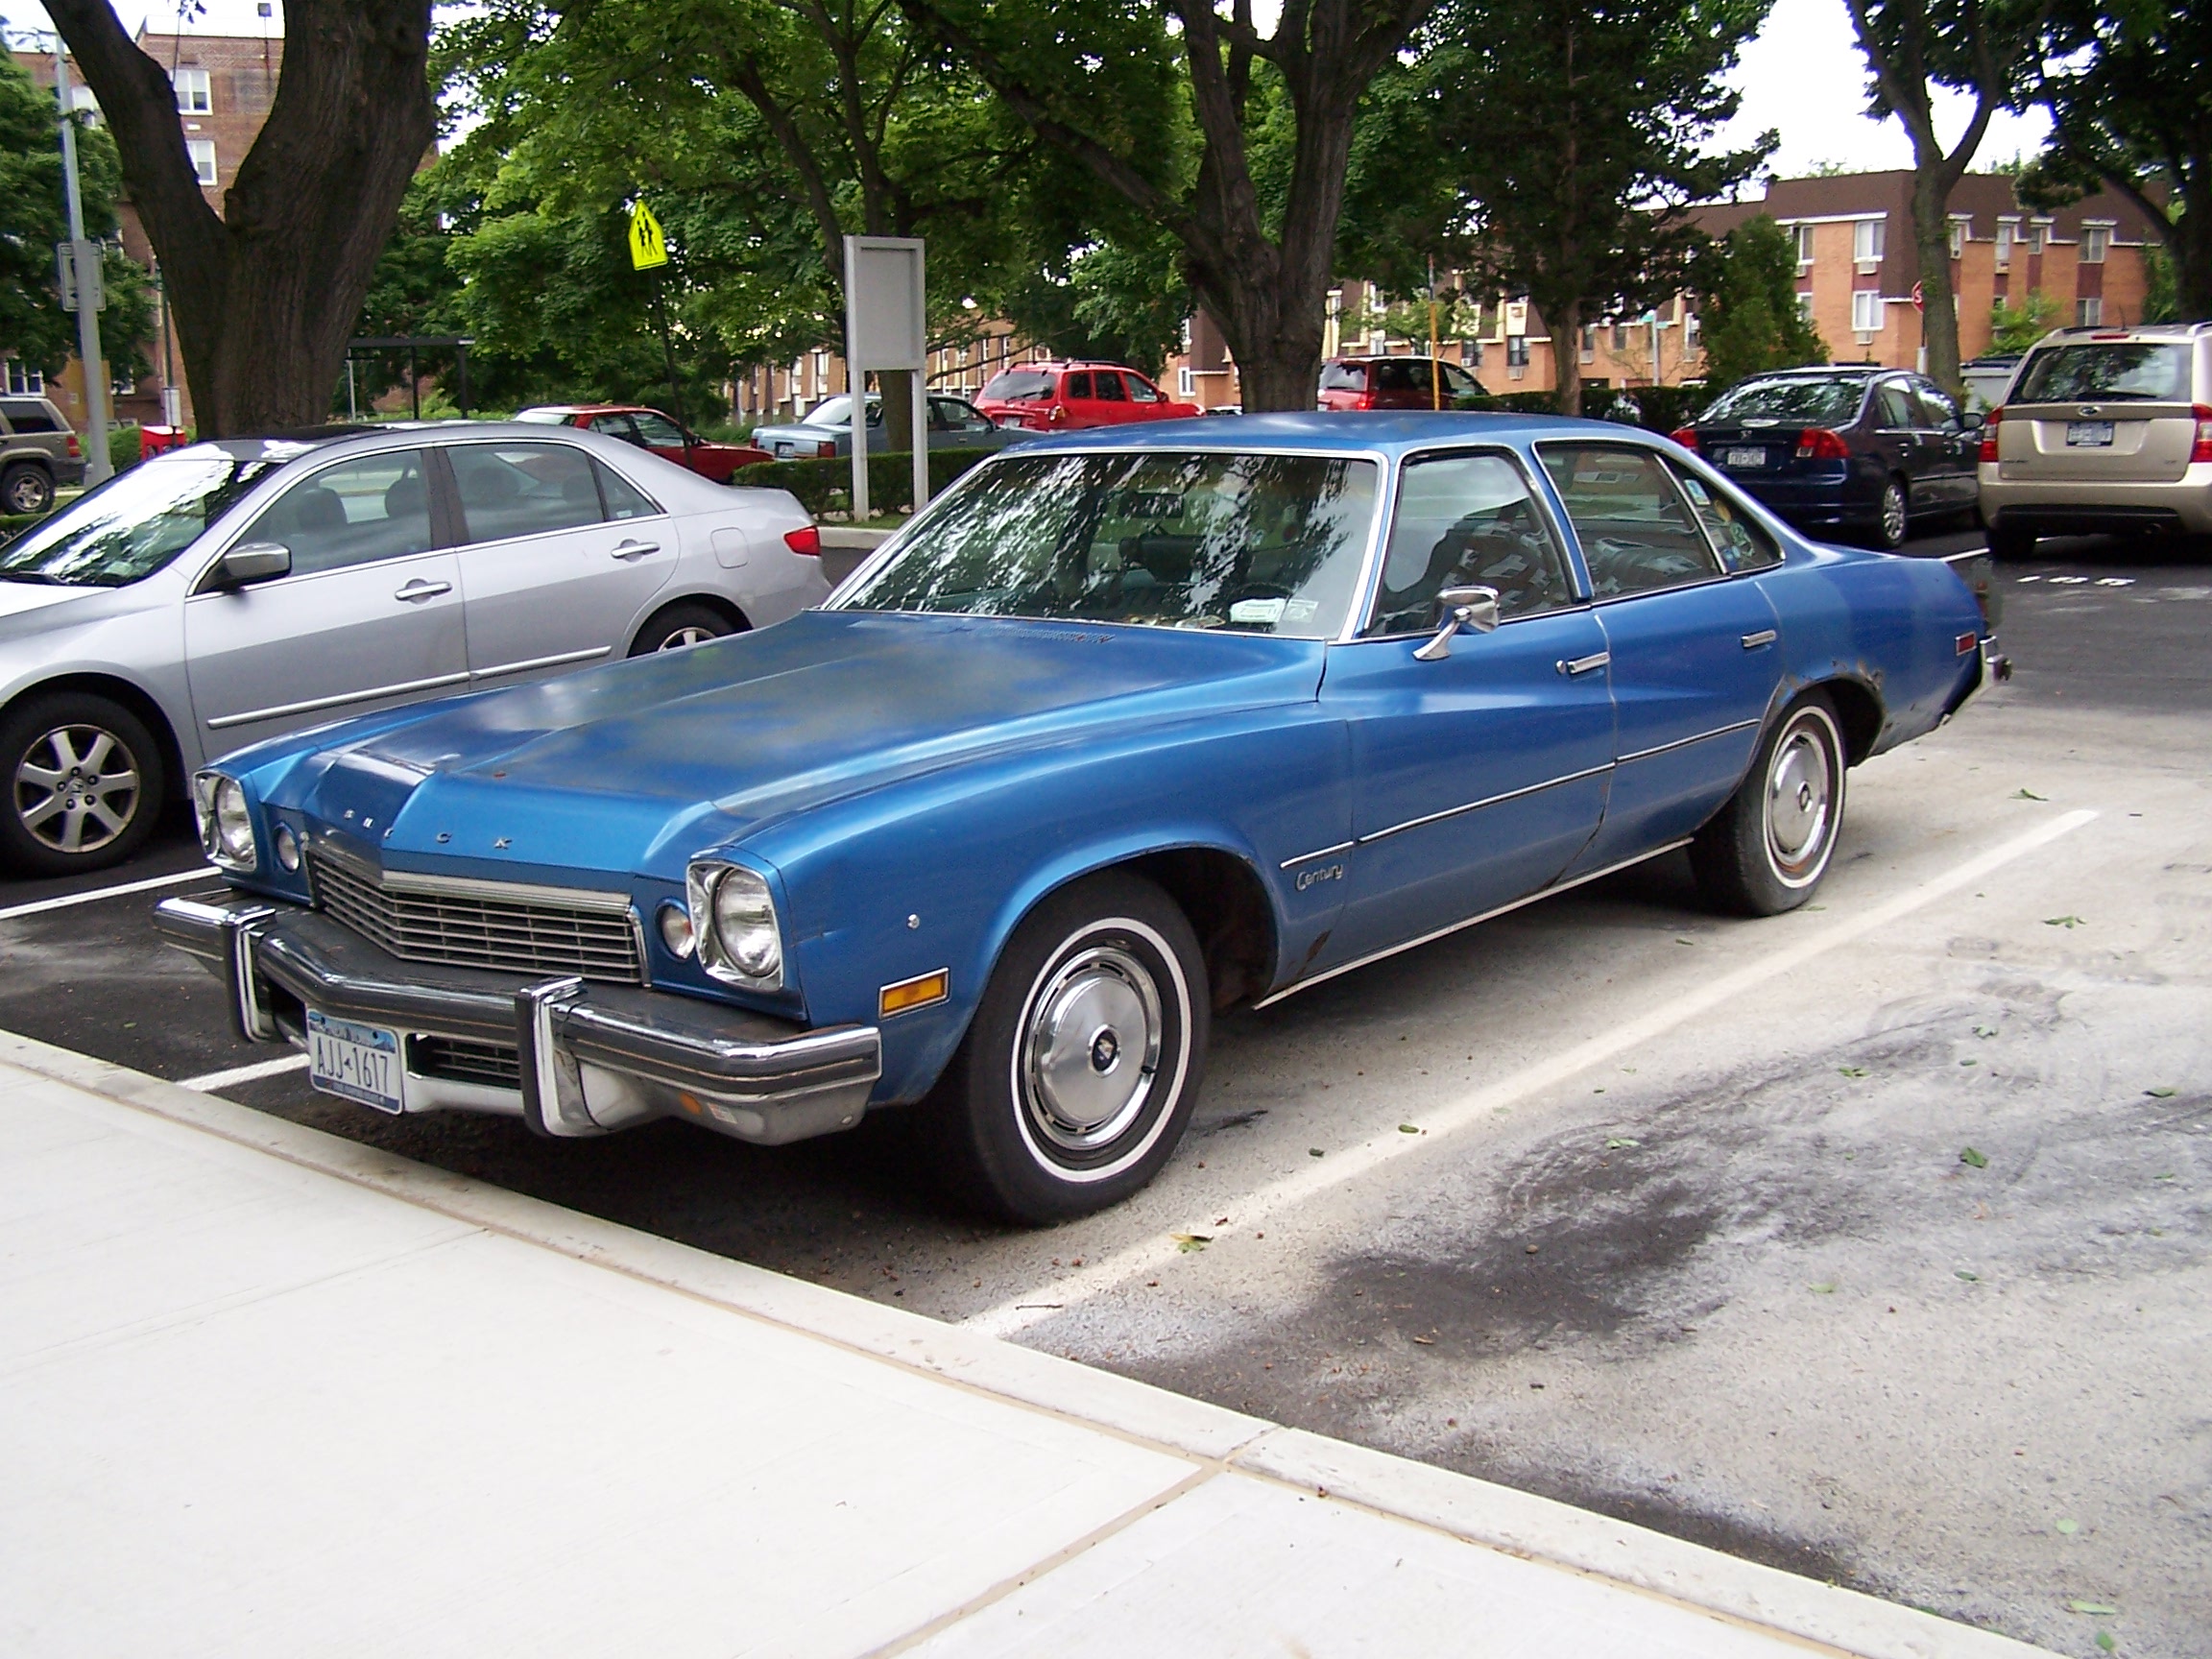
{"type": "Point", "coordinates": [827, 484]}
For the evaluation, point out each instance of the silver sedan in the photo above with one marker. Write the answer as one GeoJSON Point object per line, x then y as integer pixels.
{"type": "Point", "coordinates": [236, 590]}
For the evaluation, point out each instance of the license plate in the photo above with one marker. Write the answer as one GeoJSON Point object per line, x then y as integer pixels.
{"type": "Point", "coordinates": [2088, 434]}
{"type": "Point", "coordinates": [1743, 458]}
{"type": "Point", "coordinates": [357, 1062]}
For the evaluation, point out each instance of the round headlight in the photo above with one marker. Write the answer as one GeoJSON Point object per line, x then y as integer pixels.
{"type": "Point", "coordinates": [676, 931]}
{"type": "Point", "coordinates": [745, 924]}
{"type": "Point", "coordinates": [226, 823]}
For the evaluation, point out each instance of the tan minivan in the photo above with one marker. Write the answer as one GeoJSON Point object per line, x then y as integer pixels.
{"type": "Point", "coordinates": [2103, 430]}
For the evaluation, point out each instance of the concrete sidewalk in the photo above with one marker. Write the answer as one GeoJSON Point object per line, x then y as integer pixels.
{"type": "Point", "coordinates": [263, 1390]}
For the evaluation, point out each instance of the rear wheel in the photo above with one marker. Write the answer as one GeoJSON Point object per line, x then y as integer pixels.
{"type": "Point", "coordinates": [84, 784]}
{"type": "Point", "coordinates": [1080, 1072]}
{"type": "Point", "coordinates": [25, 488]}
{"type": "Point", "coordinates": [1766, 849]}
{"type": "Point", "coordinates": [1893, 521]}
{"type": "Point", "coordinates": [673, 627]}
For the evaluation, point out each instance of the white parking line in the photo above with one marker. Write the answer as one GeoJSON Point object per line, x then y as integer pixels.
{"type": "Point", "coordinates": [253, 1074]}
{"type": "Point", "coordinates": [41, 905]}
{"type": "Point", "coordinates": [1032, 1306]}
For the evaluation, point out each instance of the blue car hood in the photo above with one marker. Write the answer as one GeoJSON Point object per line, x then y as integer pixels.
{"type": "Point", "coordinates": [637, 765]}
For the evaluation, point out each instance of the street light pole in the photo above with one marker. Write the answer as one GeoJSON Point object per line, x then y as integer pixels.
{"type": "Point", "coordinates": [98, 468]}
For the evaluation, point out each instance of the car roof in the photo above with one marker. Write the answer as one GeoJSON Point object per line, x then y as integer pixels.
{"type": "Point", "coordinates": [1331, 432]}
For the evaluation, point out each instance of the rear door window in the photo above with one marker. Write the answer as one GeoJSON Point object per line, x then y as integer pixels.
{"type": "Point", "coordinates": [1078, 386]}
{"type": "Point", "coordinates": [524, 488]}
{"type": "Point", "coordinates": [1741, 543]}
{"type": "Point", "coordinates": [358, 512]}
{"type": "Point", "coordinates": [1636, 528]}
{"type": "Point", "coordinates": [616, 426]}
{"type": "Point", "coordinates": [624, 498]}
{"type": "Point", "coordinates": [1109, 388]}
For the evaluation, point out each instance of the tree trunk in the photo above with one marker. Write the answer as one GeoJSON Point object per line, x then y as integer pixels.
{"type": "Point", "coordinates": [266, 296]}
{"type": "Point", "coordinates": [1931, 239]}
{"type": "Point", "coordinates": [1564, 318]}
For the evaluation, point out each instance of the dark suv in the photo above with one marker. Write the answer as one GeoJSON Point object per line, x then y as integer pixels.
{"type": "Point", "coordinates": [38, 453]}
{"type": "Point", "coordinates": [1858, 449]}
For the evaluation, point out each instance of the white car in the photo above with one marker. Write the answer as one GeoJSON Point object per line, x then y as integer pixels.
{"type": "Point", "coordinates": [236, 589]}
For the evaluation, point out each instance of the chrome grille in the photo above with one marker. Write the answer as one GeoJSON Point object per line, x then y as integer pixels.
{"type": "Point", "coordinates": [458, 1060]}
{"type": "Point", "coordinates": [484, 924]}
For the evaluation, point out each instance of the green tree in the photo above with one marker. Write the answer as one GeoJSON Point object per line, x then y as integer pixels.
{"type": "Point", "coordinates": [2014, 327]}
{"type": "Point", "coordinates": [1577, 134]}
{"type": "Point", "coordinates": [1981, 48]}
{"type": "Point", "coordinates": [1747, 287]}
{"type": "Point", "coordinates": [2129, 84]}
{"type": "Point", "coordinates": [34, 216]}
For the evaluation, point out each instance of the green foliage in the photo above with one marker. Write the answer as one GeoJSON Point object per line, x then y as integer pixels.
{"type": "Point", "coordinates": [826, 485]}
{"type": "Point", "coordinates": [1578, 137]}
{"type": "Point", "coordinates": [2161, 292]}
{"type": "Point", "coordinates": [1746, 285]}
{"type": "Point", "coordinates": [2014, 327]}
{"type": "Point", "coordinates": [1120, 300]}
{"type": "Point", "coordinates": [34, 216]}
{"type": "Point", "coordinates": [123, 445]}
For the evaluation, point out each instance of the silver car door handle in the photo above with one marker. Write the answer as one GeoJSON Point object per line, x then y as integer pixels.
{"type": "Point", "coordinates": [635, 549]}
{"type": "Point", "coordinates": [420, 589]}
{"type": "Point", "coordinates": [1765, 637]}
{"type": "Point", "coordinates": [1583, 665]}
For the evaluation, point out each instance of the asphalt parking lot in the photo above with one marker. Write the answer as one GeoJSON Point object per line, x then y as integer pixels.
{"type": "Point", "coordinates": [1870, 1241]}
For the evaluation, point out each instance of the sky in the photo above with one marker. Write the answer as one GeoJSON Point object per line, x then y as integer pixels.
{"type": "Point", "coordinates": [1802, 76]}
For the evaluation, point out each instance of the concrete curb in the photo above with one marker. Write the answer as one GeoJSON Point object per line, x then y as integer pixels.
{"type": "Point", "coordinates": [1516, 1523]}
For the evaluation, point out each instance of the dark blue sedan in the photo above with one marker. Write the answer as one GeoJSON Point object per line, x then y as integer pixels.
{"type": "Point", "coordinates": [1865, 451]}
{"type": "Point", "coordinates": [1130, 728]}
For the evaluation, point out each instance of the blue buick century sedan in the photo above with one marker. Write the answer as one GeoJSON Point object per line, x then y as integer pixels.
{"type": "Point", "coordinates": [1131, 728]}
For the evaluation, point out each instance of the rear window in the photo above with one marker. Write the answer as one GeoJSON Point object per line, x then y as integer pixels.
{"type": "Point", "coordinates": [2121, 372]}
{"type": "Point", "coordinates": [1817, 400]}
{"type": "Point", "coordinates": [1343, 377]}
{"type": "Point", "coordinates": [1017, 385]}
{"type": "Point", "coordinates": [29, 415]}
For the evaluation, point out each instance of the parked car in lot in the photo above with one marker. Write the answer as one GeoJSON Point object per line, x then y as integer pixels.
{"type": "Point", "coordinates": [2102, 429]}
{"type": "Point", "coordinates": [1400, 383]}
{"type": "Point", "coordinates": [38, 453]}
{"type": "Point", "coordinates": [1125, 729]}
{"type": "Point", "coordinates": [1068, 396]}
{"type": "Point", "coordinates": [650, 429]}
{"type": "Point", "coordinates": [232, 590]}
{"type": "Point", "coordinates": [954, 423]}
{"type": "Point", "coordinates": [1860, 450]}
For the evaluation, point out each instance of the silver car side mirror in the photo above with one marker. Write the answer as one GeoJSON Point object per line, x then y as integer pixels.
{"type": "Point", "coordinates": [1459, 608]}
{"type": "Point", "coordinates": [253, 561]}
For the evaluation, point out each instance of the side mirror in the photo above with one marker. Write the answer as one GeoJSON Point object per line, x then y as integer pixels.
{"type": "Point", "coordinates": [253, 561]}
{"type": "Point", "coordinates": [1974, 420]}
{"type": "Point", "coordinates": [1459, 608]}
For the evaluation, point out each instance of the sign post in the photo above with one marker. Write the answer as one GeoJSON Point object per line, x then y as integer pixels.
{"type": "Point", "coordinates": [79, 261]}
{"type": "Point", "coordinates": [885, 328]}
{"type": "Point", "coordinates": [649, 252]}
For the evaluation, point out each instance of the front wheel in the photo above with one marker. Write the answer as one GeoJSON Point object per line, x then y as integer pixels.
{"type": "Point", "coordinates": [1766, 849]}
{"type": "Point", "coordinates": [85, 783]}
{"type": "Point", "coordinates": [1080, 1071]}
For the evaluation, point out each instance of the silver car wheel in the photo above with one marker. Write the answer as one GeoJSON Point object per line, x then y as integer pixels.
{"type": "Point", "coordinates": [1088, 1051]}
{"type": "Point", "coordinates": [1801, 798]}
{"type": "Point", "coordinates": [1893, 515]}
{"type": "Point", "coordinates": [678, 638]}
{"type": "Point", "coordinates": [77, 789]}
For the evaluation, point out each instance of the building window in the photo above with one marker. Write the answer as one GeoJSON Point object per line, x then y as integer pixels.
{"type": "Point", "coordinates": [1186, 382]}
{"type": "Point", "coordinates": [1471, 353]}
{"type": "Point", "coordinates": [2006, 230]}
{"type": "Point", "coordinates": [202, 153]}
{"type": "Point", "coordinates": [1959, 231]}
{"type": "Point", "coordinates": [1866, 240]}
{"type": "Point", "coordinates": [1693, 331]}
{"type": "Point", "coordinates": [1803, 234]}
{"type": "Point", "coordinates": [1620, 336]}
{"type": "Point", "coordinates": [1516, 351]}
{"type": "Point", "coordinates": [2096, 241]}
{"type": "Point", "coordinates": [1589, 342]}
{"type": "Point", "coordinates": [1805, 304]}
{"type": "Point", "coordinates": [1865, 311]}
{"type": "Point", "coordinates": [192, 92]}
{"type": "Point", "coordinates": [24, 382]}
{"type": "Point", "coordinates": [2088, 313]}
{"type": "Point", "coordinates": [2036, 234]}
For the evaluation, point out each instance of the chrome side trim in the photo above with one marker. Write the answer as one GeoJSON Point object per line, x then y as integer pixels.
{"type": "Point", "coordinates": [1321, 852]}
{"type": "Point", "coordinates": [283, 711]}
{"type": "Point", "coordinates": [1297, 986]}
{"type": "Point", "coordinates": [533, 662]}
{"type": "Point", "coordinates": [1477, 805]}
{"type": "Point", "coordinates": [1685, 742]}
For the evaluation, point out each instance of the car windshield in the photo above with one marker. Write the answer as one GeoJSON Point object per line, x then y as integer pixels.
{"type": "Point", "coordinates": [1258, 543]}
{"type": "Point", "coordinates": [2124, 371]}
{"type": "Point", "coordinates": [134, 523]}
{"type": "Point", "coordinates": [838, 412]}
{"type": "Point", "coordinates": [1815, 400]}
{"type": "Point", "coordinates": [1018, 386]}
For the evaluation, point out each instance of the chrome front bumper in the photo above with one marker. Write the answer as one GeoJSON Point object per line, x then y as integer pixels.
{"type": "Point", "coordinates": [589, 1058]}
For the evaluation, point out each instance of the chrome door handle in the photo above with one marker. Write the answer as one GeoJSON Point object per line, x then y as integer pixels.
{"type": "Point", "coordinates": [1765, 637]}
{"type": "Point", "coordinates": [1583, 665]}
{"type": "Point", "coordinates": [420, 589]}
{"type": "Point", "coordinates": [635, 549]}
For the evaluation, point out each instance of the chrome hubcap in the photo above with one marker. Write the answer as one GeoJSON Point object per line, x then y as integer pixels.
{"type": "Point", "coordinates": [1893, 513]}
{"type": "Point", "coordinates": [1798, 795]}
{"type": "Point", "coordinates": [684, 637]}
{"type": "Point", "coordinates": [75, 788]}
{"type": "Point", "coordinates": [1090, 1055]}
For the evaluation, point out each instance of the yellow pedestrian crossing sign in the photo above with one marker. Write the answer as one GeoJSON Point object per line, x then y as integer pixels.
{"type": "Point", "coordinates": [648, 247]}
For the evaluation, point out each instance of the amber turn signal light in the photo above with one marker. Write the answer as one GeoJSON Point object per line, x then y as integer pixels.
{"type": "Point", "coordinates": [916, 993]}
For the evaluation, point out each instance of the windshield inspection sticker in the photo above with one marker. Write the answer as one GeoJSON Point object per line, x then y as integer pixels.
{"type": "Point", "coordinates": [1262, 613]}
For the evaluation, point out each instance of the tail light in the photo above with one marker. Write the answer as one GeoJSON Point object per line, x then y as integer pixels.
{"type": "Point", "coordinates": [1818, 444]}
{"type": "Point", "coordinates": [2201, 449]}
{"type": "Point", "coordinates": [1686, 436]}
{"type": "Point", "coordinates": [1365, 400]}
{"type": "Point", "coordinates": [73, 451]}
{"type": "Point", "coordinates": [807, 539]}
{"type": "Point", "coordinates": [1989, 437]}
{"type": "Point", "coordinates": [826, 451]}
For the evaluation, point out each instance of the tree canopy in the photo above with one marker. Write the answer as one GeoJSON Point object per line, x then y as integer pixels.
{"type": "Point", "coordinates": [1747, 287]}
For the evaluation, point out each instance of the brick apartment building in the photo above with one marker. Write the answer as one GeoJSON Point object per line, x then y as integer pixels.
{"type": "Point", "coordinates": [225, 86]}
